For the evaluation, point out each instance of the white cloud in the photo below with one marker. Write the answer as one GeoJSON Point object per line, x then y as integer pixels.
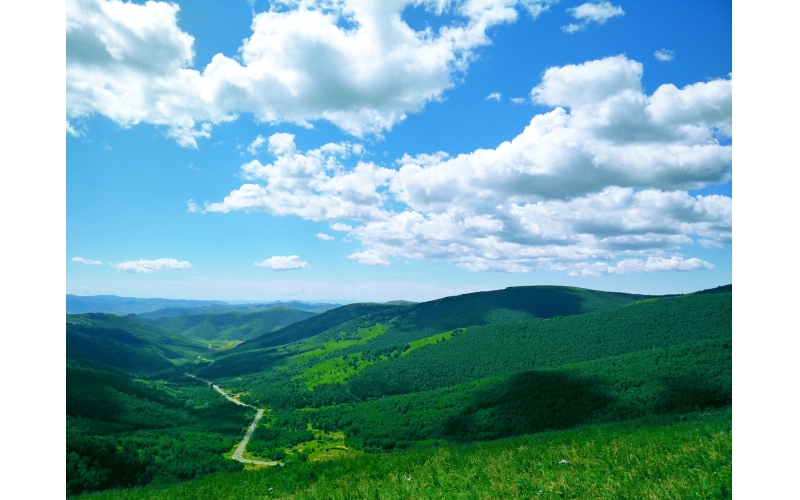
{"type": "Point", "coordinates": [601, 180]}
{"type": "Point", "coordinates": [151, 266]}
{"type": "Point", "coordinates": [71, 130]}
{"type": "Point", "coordinates": [192, 207]}
{"type": "Point", "coordinates": [256, 145]}
{"type": "Point", "coordinates": [575, 85]}
{"type": "Point", "coordinates": [536, 7]}
{"type": "Point", "coordinates": [590, 12]}
{"type": "Point", "coordinates": [81, 260]}
{"type": "Point", "coordinates": [494, 95]}
{"type": "Point", "coordinates": [314, 185]}
{"type": "Point", "coordinates": [325, 237]}
{"type": "Point", "coordinates": [518, 100]}
{"type": "Point", "coordinates": [652, 265]}
{"type": "Point", "coordinates": [283, 263]}
{"type": "Point", "coordinates": [664, 55]}
{"type": "Point", "coordinates": [354, 63]}
{"type": "Point", "coordinates": [371, 257]}
{"type": "Point", "coordinates": [573, 28]}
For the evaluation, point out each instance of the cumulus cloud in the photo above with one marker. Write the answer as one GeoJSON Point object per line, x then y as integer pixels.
{"type": "Point", "coordinates": [665, 55]}
{"type": "Point", "coordinates": [192, 207]}
{"type": "Point", "coordinates": [312, 184]}
{"type": "Point", "coordinates": [602, 178]}
{"type": "Point", "coordinates": [494, 95]}
{"type": "Point", "coordinates": [256, 145]}
{"type": "Point", "coordinates": [590, 12]}
{"type": "Point", "coordinates": [72, 131]}
{"type": "Point", "coordinates": [81, 260]}
{"type": "Point", "coordinates": [653, 264]}
{"type": "Point", "coordinates": [536, 7]}
{"type": "Point", "coordinates": [354, 63]}
{"type": "Point", "coordinates": [325, 237]}
{"type": "Point", "coordinates": [518, 100]}
{"type": "Point", "coordinates": [283, 263]}
{"type": "Point", "coordinates": [151, 266]}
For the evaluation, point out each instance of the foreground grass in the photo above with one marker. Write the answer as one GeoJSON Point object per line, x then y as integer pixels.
{"type": "Point", "coordinates": [655, 458]}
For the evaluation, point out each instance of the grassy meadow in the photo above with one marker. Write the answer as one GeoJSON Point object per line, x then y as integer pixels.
{"type": "Point", "coordinates": [666, 457]}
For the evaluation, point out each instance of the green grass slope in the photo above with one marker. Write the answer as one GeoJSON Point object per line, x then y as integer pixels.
{"type": "Point", "coordinates": [229, 325]}
{"type": "Point", "coordinates": [126, 344]}
{"type": "Point", "coordinates": [680, 456]}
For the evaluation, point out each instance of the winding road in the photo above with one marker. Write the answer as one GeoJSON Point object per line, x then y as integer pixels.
{"type": "Point", "coordinates": [237, 455]}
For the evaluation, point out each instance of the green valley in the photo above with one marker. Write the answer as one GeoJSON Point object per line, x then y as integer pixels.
{"type": "Point", "coordinates": [528, 391]}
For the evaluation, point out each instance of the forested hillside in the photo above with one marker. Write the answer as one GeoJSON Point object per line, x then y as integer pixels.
{"type": "Point", "coordinates": [377, 378]}
{"type": "Point", "coordinates": [124, 432]}
{"type": "Point", "coordinates": [315, 325]}
{"type": "Point", "coordinates": [121, 342]}
{"type": "Point", "coordinates": [229, 325]}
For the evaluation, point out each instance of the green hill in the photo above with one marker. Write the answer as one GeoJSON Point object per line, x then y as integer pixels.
{"type": "Point", "coordinates": [317, 372]}
{"type": "Point", "coordinates": [484, 351]}
{"type": "Point", "coordinates": [124, 432]}
{"type": "Point", "coordinates": [127, 344]}
{"type": "Point", "coordinates": [432, 381]}
{"type": "Point", "coordinates": [413, 322]}
{"type": "Point", "coordinates": [314, 325]}
{"type": "Point", "coordinates": [229, 325]}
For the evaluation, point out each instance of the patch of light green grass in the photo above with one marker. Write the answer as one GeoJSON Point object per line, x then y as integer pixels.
{"type": "Point", "coordinates": [334, 370]}
{"type": "Point", "coordinates": [324, 446]}
{"type": "Point", "coordinates": [442, 337]}
{"type": "Point", "coordinates": [332, 346]}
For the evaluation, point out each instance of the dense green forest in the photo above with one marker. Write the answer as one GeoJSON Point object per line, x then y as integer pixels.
{"type": "Point", "coordinates": [315, 325]}
{"type": "Point", "coordinates": [490, 350]}
{"type": "Point", "coordinates": [121, 342]}
{"type": "Point", "coordinates": [229, 325]}
{"type": "Point", "coordinates": [124, 432]}
{"type": "Point", "coordinates": [680, 378]}
{"type": "Point", "coordinates": [379, 378]}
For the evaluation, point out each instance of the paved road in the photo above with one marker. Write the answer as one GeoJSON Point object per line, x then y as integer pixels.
{"type": "Point", "coordinates": [237, 455]}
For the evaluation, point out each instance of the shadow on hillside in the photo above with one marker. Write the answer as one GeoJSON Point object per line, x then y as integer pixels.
{"type": "Point", "coordinates": [684, 394]}
{"type": "Point", "coordinates": [526, 403]}
{"type": "Point", "coordinates": [239, 364]}
{"type": "Point", "coordinates": [550, 400]}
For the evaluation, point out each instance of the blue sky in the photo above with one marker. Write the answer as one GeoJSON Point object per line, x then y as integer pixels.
{"type": "Point", "coordinates": [621, 183]}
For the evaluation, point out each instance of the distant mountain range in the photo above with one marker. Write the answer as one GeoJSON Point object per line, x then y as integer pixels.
{"type": "Point", "coordinates": [166, 308]}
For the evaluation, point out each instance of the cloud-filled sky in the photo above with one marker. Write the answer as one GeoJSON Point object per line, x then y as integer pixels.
{"type": "Point", "coordinates": [379, 150]}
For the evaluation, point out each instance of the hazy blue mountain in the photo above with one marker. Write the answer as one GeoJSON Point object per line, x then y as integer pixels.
{"type": "Point", "coordinates": [164, 308]}
{"type": "Point", "coordinates": [171, 312]}
{"type": "Point", "coordinates": [78, 304]}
